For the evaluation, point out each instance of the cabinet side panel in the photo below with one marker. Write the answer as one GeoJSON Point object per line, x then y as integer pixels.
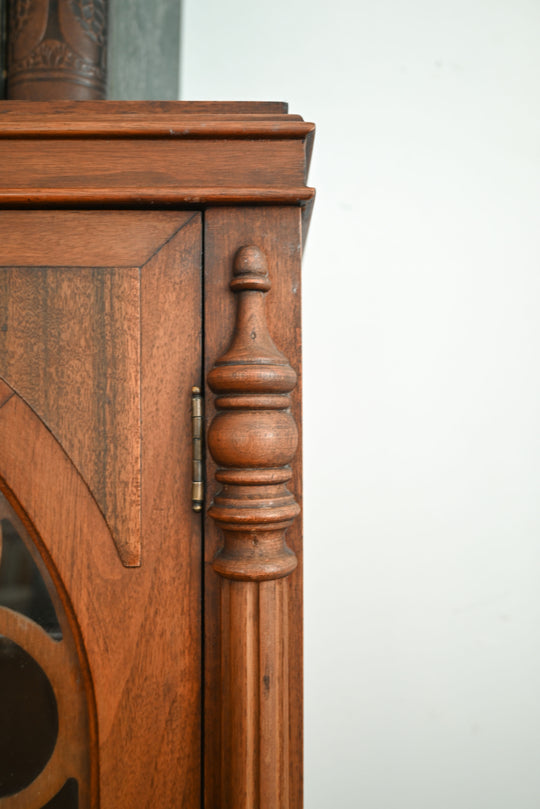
{"type": "Point", "coordinates": [276, 231]}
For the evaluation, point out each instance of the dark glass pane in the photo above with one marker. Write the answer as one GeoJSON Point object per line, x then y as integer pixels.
{"type": "Point", "coordinates": [28, 718]}
{"type": "Point", "coordinates": [67, 798]}
{"type": "Point", "coordinates": [21, 585]}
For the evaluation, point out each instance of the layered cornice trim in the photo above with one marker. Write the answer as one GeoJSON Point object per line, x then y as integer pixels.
{"type": "Point", "coordinates": [142, 197]}
{"type": "Point", "coordinates": [113, 126]}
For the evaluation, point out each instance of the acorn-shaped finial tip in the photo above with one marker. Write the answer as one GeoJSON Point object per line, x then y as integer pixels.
{"type": "Point", "coordinates": [250, 260]}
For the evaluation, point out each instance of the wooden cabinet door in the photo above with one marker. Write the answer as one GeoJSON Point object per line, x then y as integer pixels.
{"type": "Point", "coordinates": [100, 345]}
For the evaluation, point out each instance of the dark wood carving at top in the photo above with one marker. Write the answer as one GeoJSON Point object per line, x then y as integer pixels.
{"type": "Point", "coordinates": [57, 49]}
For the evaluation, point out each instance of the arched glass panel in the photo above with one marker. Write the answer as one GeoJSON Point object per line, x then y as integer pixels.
{"type": "Point", "coordinates": [44, 718]}
{"type": "Point", "coordinates": [67, 798]}
{"type": "Point", "coordinates": [21, 584]}
{"type": "Point", "coordinates": [29, 726]}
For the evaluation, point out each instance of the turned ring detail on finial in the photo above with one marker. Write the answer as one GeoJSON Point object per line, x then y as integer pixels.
{"type": "Point", "coordinates": [253, 437]}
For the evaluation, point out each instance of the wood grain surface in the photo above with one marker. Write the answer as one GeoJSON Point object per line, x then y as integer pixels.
{"type": "Point", "coordinates": [123, 163]}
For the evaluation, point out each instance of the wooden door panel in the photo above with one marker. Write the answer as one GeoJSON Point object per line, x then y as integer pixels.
{"type": "Point", "coordinates": [70, 337]}
{"type": "Point", "coordinates": [99, 396]}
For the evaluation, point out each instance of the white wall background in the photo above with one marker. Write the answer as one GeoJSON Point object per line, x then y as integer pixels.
{"type": "Point", "coordinates": [422, 392]}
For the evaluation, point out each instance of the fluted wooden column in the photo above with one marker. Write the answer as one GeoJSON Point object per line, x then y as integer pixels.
{"type": "Point", "coordinates": [253, 439]}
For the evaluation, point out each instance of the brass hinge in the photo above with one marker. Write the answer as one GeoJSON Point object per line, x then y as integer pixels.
{"type": "Point", "coordinates": [197, 485]}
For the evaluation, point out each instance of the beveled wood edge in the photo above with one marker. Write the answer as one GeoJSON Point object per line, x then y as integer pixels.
{"type": "Point", "coordinates": [162, 126]}
{"type": "Point", "coordinates": [158, 198]}
{"type": "Point", "coordinates": [155, 107]}
{"type": "Point", "coordinates": [308, 150]}
{"type": "Point", "coordinates": [111, 119]}
{"type": "Point", "coordinates": [143, 196]}
{"type": "Point", "coordinates": [307, 212]}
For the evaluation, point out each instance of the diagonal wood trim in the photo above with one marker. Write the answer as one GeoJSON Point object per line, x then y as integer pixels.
{"type": "Point", "coordinates": [5, 393]}
{"type": "Point", "coordinates": [88, 238]}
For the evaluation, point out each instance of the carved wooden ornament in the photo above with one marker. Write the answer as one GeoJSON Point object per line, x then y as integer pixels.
{"type": "Point", "coordinates": [57, 49]}
{"type": "Point", "coordinates": [253, 438]}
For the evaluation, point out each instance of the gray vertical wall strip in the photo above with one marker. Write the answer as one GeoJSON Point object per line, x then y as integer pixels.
{"type": "Point", "coordinates": [144, 49]}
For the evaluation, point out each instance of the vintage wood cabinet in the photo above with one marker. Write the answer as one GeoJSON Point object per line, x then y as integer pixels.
{"type": "Point", "coordinates": [148, 249]}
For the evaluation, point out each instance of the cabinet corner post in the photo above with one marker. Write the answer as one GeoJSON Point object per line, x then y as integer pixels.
{"type": "Point", "coordinates": [253, 439]}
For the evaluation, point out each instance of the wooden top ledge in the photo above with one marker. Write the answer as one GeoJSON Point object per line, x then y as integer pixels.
{"type": "Point", "coordinates": [149, 120]}
{"type": "Point", "coordinates": [159, 154]}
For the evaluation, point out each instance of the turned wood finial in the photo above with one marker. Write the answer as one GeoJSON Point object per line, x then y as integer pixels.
{"type": "Point", "coordinates": [253, 438]}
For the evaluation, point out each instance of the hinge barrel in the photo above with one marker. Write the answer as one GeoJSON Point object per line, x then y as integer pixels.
{"type": "Point", "coordinates": [197, 485]}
